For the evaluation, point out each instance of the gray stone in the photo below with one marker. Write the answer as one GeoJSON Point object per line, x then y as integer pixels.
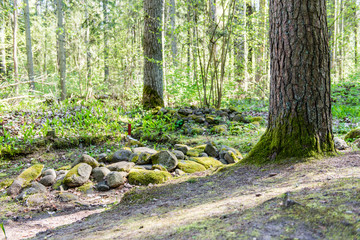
{"type": "Point", "coordinates": [61, 172]}
{"type": "Point", "coordinates": [203, 155]}
{"type": "Point", "coordinates": [102, 186]}
{"type": "Point", "coordinates": [185, 111]}
{"type": "Point", "coordinates": [78, 175]}
{"type": "Point", "coordinates": [67, 197]}
{"type": "Point", "coordinates": [238, 118]}
{"type": "Point", "coordinates": [115, 179]}
{"type": "Point", "coordinates": [179, 172]}
{"type": "Point", "coordinates": [34, 188]}
{"type": "Point", "coordinates": [15, 187]}
{"type": "Point", "coordinates": [140, 158]}
{"type": "Point", "coordinates": [145, 166]}
{"type": "Point", "coordinates": [223, 161]}
{"type": "Point", "coordinates": [100, 173]}
{"type": "Point", "coordinates": [340, 144]}
{"type": "Point", "coordinates": [36, 200]}
{"type": "Point", "coordinates": [101, 157]}
{"type": "Point", "coordinates": [179, 154]}
{"type": "Point", "coordinates": [166, 159]}
{"type": "Point", "coordinates": [211, 150]}
{"type": "Point", "coordinates": [119, 156]}
{"type": "Point", "coordinates": [144, 150]}
{"type": "Point", "coordinates": [48, 180]}
{"type": "Point", "coordinates": [48, 172]}
{"type": "Point", "coordinates": [230, 157]}
{"type": "Point", "coordinates": [181, 147]}
{"type": "Point", "coordinates": [86, 159]}
{"type": "Point", "coordinates": [121, 166]}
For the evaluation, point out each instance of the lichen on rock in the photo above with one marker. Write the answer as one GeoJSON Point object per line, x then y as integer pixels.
{"type": "Point", "coordinates": [190, 166]}
{"type": "Point", "coordinates": [207, 162]}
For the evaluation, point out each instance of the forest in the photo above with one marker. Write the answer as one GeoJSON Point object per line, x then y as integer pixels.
{"type": "Point", "coordinates": [166, 119]}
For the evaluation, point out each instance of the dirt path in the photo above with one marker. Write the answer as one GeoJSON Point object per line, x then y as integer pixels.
{"type": "Point", "coordinates": [159, 212]}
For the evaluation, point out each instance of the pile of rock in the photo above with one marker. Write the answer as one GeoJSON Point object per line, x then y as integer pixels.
{"type": "Point", "coordinates": [216, 121]}
{"type": "Point", "coordinates": [137, 166]}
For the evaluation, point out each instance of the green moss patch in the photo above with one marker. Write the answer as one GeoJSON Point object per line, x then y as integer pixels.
{"type": "Point", "coordinates": [31, 174]}
{"type": "Point", "coordinates": [145, 177]}
{"type": "Point", "coordinates": [190, 166]}
{"type": "Point", "coordinates": [207, 162]}
{"type": "Point", "coordinates": [5, 183]}
{"type": "Point", "coordinates": [353, 134]}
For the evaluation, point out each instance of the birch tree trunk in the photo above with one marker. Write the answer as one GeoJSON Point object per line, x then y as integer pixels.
{"type": "Point", "coordinates": [153, 61]}
{"type": "Point", "coordinates": [61, 50]}
{"type": "Point", "coordinates": [300, 120]}
{"type": "Point", "coordinates": [30, 64]}
{"type": "Point", "coordinates": [15, 59]}
{"type": "Point", "coordinates": [87, 44]}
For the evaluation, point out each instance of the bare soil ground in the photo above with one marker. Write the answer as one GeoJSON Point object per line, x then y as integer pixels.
{"type": "Point", "coordinates": [237, 202]}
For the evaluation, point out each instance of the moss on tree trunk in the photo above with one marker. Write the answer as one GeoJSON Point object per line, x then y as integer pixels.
{"type": "Point", "coordinates": [300, 120]}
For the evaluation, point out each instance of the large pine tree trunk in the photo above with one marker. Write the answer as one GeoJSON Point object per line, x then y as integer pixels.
{"type": "Point", "coordinates": [152, 44]}
{"type": "Point", "coordinates": [300, 108]}
{"type": "Point", "coordinates": [61, 49]}
{"type": "Point", "coordinates": [30, 64]}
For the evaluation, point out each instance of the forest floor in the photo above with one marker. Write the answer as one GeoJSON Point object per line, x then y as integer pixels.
{"type": "Point", "coordinates": [237, 202]}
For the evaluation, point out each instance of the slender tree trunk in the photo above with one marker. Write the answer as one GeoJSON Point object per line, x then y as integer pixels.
{"type": "Point", "coordinates": [106, 41]}
{"type": "Point", "coordinates": [30, 64]}
{"type": "Point", "coordinates": [2, 45]}
{"type": "Point", "coordinates": [45, 42]}
{"type": "Point", "coordinates": [153, 52]}
{"type": "Point", "coordinates": [188, 18]}
{"type": "Point", "coordinates": [15, 26]}
{"type": "Point", "coordinates": [173, 31]}
{"type": "Point", "coordinates": [87, 45]}
{"type": "Point", "coordinates": [61, 49]}
{"type": "Point", "coordinates": [300, 120]}
{"type": "Point", "coordinates": [355, 35]}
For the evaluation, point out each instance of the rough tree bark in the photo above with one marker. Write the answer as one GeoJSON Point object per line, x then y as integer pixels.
{"type": "Point", "coordinates": [300, 108]}
{"type": "Point", "coordinates": [152, 45]}
{"type": "Point", "coordinates": [30, 64]}
{"type": "Point", "coordinates": [61, 50]}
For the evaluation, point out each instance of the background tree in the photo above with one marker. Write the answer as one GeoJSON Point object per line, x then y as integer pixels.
{"type": "Point", "coordinates": [300, 120]}
{"type": "Point", "coordinates": [61, 49]}
{"type": "Point", "coordinates": [30, 64]}
{"type": "Point", "coordinates": [152, 44]}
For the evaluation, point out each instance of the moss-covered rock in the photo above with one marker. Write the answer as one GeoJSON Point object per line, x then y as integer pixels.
{"type": "Point", "coordinates": [86, 159]}
{"type": "Point", "coordinates": [182, 147]}
{"type": "Point", "coordinates": [67, 167]}
{"type": "Point", "coordinates": [86, 188]}
{"type": "Point", "coordinates": [196, 130]}
{"type": "Point", "coordinates": [219, 129]}
{"type": "Point", "coordinates": [159, 167]}
{"type": "Point", "coordinates": [200, 147]}
{"type": "Point", "coordinates": [145, 177]}
{"type": "Point", "coordinates": [190, 166]}
{"type": "Point", "coordinates": [256, 119]}
{"type": "Point", "coordinates": [5, 183]}
{"type": "Point", "coordinates": [207, 162]}
{"type": "Point", "coordinates": [78, 175]}
{"type": "Point", "coordinates": [353, 134]}
{"type": "Point", "coordinates": [140, 158]}
{"type": "Point", "coordinates": [193, 152]}
{"type": "Point", "coordinates": [166, 159]}
{"type": "Point", "coordinates": [25, 178]}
